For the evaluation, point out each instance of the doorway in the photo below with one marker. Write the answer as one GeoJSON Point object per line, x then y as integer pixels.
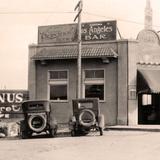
{"type": "Point", "coordinates": [149, 108]}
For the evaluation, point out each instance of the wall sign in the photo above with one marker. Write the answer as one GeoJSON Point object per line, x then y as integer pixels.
{"type": "Point", "coordinates": [97, 31]}
{"type": "Point", "coordinates": [10, 102]}
{"type": "Point", "coordinates": [94, 31]}
{"type": "Point", "coordinates": [56, 33]}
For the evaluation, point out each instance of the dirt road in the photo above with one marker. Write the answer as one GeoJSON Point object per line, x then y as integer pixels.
{"type": "Point", "coordinates": [114, 145]}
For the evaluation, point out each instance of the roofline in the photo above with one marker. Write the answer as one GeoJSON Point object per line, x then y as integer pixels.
{"type": "Point", "coordinates": [83, 43]}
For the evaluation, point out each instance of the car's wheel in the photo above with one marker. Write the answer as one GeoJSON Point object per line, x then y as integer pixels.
{"type": "Point", "coordinates": [37, 123]}
{"type": "Point", "coordinates": [73, 133]}
{"type": "Point", "coordinates": [52, 133]}
{"type": "Point", "coordinates": [24, 135]}
{"type": "Point", "coordinates": [101, 131]}
{"type": "Point", "coordinates": [101, 122]}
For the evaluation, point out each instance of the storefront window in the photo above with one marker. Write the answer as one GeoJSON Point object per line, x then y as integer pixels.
{"type": "Point", "coordinates": [58, 92]}
{"type": "Point", "coordinates": [58, 85]}
{"type": "Point", "coordinates": [94, 84]}
{"type": "Point", "coordinates": [94, 91]}
{"type": "Point", "coordinates": [146, 99]}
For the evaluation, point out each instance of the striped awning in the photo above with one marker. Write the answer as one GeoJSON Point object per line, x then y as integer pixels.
{"type": "Point", "coordinates": [71, 52]}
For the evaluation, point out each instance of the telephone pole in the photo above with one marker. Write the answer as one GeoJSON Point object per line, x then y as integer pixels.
{"type": "Point", "coordinates": [79, 63]}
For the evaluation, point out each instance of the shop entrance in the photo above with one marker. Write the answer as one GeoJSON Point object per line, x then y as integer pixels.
{"type": "Point", "coordinates": [149, 109]}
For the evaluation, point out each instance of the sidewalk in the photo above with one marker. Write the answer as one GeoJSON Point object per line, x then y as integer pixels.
{"type": "Point", "coordinates": [147, 128]}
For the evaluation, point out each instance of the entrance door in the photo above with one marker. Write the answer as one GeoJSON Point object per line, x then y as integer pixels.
{"type": "Point", "coordinates": [149, 109]}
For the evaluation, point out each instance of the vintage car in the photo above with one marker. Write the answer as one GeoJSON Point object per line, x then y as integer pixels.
{"type": "Point", "coordinates": [37, 119]}
{"type": "Point", "coordinates": [86, 117]}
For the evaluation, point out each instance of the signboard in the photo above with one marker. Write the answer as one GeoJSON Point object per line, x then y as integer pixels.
{"type": "Point", "coordinates": [94, 31]}
{"type": "Point", "coordinates": [57, 33]}
{"type": "Point", "coordinates": [97, 31]}
{"type": "Point", "coordinates": [10, 103]}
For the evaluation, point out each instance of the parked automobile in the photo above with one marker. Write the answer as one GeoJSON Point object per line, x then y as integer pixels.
{"type": "Point", "coordinates": [37, 119]}
{"type": "Point", "coordinates": [86, 116]}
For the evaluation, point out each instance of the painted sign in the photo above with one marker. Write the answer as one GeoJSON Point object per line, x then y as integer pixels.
{"type": "Point", "coordinates": [57, 33]}
{"type": "Point", "coordinates": [10, 102]}
{"type": "Point", "coordinates": [93, 31]}
{"type": "Point", "coordinates": [97, 31]}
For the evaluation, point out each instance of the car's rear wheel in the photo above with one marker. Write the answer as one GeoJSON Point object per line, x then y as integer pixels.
{"type": "Point", "coordinates": [73, 133]}
{"type": "Point", "coordinates": [101, 123]}
{"type": "Point", "coordinates": [52, 133]}
{"type": "Point", "coordinates": [24, 135]}
{"type": "Point", "coordinates": [101, 131]}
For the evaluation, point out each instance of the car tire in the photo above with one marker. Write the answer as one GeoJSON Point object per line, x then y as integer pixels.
{"type": "Point", "coordinates": [101, 131]}
{"type": "Point", "coordinates": [101, 121]}
{"type": "Point", "coordinates": [73, 133]}
{"type": "Point", "coordinates": [44, 120]}
{"type": "Point", "coordinates": [52, 133]}
{"type": "Point", "coordinates": [24, 135]}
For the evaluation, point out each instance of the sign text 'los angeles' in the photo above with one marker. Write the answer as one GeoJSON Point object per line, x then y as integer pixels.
{"type": "Point", "coordinates": [94, 31]}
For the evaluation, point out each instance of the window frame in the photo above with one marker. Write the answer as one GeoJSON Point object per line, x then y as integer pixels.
{"type": "Point", "coordinates": [58, 82]}
{"type": "Point", "coordinates": [94, 81]}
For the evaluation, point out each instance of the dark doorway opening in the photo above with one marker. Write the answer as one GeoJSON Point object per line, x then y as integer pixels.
{"type": "Point", "coordinates": [149, 108]}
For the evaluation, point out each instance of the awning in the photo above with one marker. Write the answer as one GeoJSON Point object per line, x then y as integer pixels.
{"type": "Point", "coordinates": [71, 52]}
{"type": "Point", "coordinates": [148, 80]}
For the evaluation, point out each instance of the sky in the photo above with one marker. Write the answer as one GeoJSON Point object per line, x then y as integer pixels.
{"type": "Point", "coordinates": [19, 21]}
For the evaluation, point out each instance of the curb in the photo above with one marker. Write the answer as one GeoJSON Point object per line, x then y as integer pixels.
{"type": "Point", "coordinates": [132, 129]}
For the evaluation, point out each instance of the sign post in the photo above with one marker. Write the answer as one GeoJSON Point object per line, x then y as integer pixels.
{"type": "Point", "coordinates": [79, 90]}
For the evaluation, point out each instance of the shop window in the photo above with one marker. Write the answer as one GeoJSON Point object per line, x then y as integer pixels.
{"type": "Point", "coordinates": [58, 85]}
{"type": "Point", "coordinates": [94, 84]}
{"type": "Point", "coordinates": [146, 99]}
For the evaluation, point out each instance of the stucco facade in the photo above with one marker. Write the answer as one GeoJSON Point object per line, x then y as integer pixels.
{"type": "Point", "coordinates": [120, 102]}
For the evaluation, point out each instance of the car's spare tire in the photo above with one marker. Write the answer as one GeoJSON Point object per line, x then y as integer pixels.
{"type": "Point", "coordinates": [37, 122]}
{"type": "Point", "coordinates": [87, 118]}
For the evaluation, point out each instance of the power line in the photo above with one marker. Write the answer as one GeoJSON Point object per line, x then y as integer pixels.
{"type": "Point", "coordinates": [36, 12]}
{"type": "Point", "coordinates": [70, 12]}
{"type": "Point", "coordinates": [122, 20]}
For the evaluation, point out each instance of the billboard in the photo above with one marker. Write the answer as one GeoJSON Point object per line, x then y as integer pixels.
{"type": "Point", "coordinates": [97, 31]}
{"type": "Point", "coordinates": [92, 31]}
{"type": "Point", "coordinates": [10, 103]}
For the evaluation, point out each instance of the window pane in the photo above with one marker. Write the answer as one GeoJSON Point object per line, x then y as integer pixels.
{"type": "Point", "coordinates": [89, 74]}
{"type": "Point", "coordinates": [58, 74]}
{"type": "Point", "coordinates": [146, 99]}
{"type": "Point", "coordinates": [99, 74]}
{"type": "Point", "coordinates": [58, 92]}
{"type": "Point", "coordinates": [94, 73]}
{"type": "Point", "coordinates": [94, 91]}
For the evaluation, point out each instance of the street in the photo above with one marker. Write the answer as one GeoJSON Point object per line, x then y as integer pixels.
{"type": "Point", "coordinates": [114, 145]}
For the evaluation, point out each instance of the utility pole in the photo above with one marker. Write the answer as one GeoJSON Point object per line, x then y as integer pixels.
{"type": "Point", "coordinates": [79, 63]}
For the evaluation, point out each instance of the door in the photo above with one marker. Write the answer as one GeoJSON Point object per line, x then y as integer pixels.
{"type": "Point", "coordinates": [149, 109]}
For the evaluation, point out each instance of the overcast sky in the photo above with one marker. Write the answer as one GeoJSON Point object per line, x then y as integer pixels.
{"type": "Point", "coordinates": [19, 21]}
